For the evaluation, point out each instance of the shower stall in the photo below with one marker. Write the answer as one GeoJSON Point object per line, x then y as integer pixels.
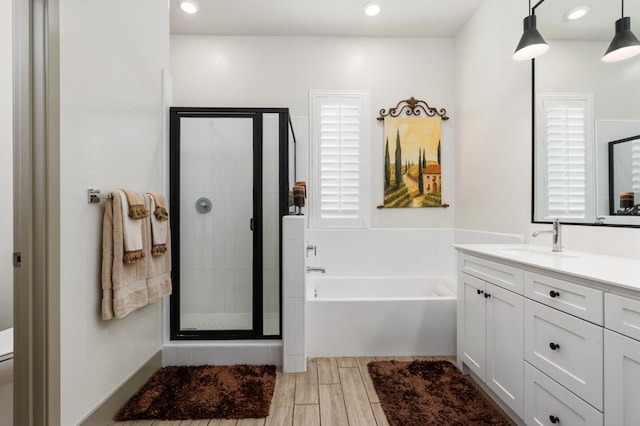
{"type": "Point", "coordinates": [229, 183]}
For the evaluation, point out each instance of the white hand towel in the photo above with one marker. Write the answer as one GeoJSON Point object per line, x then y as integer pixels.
{"type": "Point", "coordinates": [132, 230]}
{"type": "Point", "coordinates": [159, 263]}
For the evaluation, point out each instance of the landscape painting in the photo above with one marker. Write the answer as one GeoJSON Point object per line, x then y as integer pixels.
{"type": "Point", "coordinates": [412, 159]}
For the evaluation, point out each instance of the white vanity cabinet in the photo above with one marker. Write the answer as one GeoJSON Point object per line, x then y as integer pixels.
{"type": "Point", "coordinates": [622, 360]}
{"type": "Point", "coordinates": [558, 333]}
{"type": "Point", "coordinates": [490, 327]}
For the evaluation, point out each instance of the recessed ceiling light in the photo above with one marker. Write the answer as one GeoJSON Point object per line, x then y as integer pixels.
{"type": "Point", "coordinates": [371, 9]}
{"type": "Point", "coordinates": [576, 13]}
{"type": "Point", "coordinates": [189, 6]}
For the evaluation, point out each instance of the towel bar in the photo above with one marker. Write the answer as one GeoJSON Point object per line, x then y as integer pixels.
{"type": "Point", "coordinates": [94, 196]}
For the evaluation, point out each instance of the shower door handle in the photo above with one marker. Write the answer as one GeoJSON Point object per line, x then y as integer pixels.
{"type": "Point", "coordinates": [251, 224]}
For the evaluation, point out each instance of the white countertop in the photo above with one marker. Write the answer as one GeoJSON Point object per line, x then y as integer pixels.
{"type": "Point", "coordinates": [616, 271]}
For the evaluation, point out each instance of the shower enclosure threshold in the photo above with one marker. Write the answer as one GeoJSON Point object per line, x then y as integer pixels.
{"type": "Point", "coordinates": [222, 352]}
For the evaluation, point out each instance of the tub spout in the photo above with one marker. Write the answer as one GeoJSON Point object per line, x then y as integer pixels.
{"type": "Point", "coordinates": [315, 269]}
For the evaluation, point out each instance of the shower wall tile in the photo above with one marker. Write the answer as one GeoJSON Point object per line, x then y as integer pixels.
{"type": "Point", "coordinates": [293, 343]}
{"type": "Point", "coordinates": [199, 355]}
{"type": "Point", "coordinates": [214, 355]}
{"type": "Point", "coordinates": [184, 355]}
{"type": "Point", "coordinates": [169, 355]}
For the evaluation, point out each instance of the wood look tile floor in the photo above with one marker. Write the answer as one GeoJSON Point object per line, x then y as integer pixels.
{"type": "Point", "coordinates": [332, 392]}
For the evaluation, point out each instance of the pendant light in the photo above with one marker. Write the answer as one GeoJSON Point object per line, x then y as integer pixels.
{"type": "Point", "coordinates": [532, 44]}
{"type": "Point", "coordinates": [624, 44]}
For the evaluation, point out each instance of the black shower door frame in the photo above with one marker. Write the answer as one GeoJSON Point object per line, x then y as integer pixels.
{"type": "Point", "coordinates": [256, 114]}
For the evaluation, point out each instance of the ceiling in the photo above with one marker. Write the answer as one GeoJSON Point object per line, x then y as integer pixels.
{"type": "Point", "coordinates": [398, 18]}
{"type": "Point", "coordinates": [598, 24]}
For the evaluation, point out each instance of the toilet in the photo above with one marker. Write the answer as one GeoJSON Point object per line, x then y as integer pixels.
{"type": "Point", "coordinates": [6, 344]}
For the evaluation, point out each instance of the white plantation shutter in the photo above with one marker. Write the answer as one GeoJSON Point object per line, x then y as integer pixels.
{"type": "Point", "coordinates": [566, 161]}
{"type": "Point", "coordinates": [564, 154]}
{"type": "Point", "coordinates": [340, 127]}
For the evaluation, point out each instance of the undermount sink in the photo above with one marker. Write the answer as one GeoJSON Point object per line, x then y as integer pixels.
{"type": "Point", "coordinates": [535, 251]}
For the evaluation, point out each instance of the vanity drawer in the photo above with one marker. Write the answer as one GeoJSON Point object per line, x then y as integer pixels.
{"type": "Point", "coordinates": [622, 314]}
{"type": "Point", "coordinates": [546, 401]}
{"type": "Point", "coordinates": [575, 299]}
{"type": "Point", "coordinates": [566, 348]}
{"type": "Point", "coordinates": [496, 273]}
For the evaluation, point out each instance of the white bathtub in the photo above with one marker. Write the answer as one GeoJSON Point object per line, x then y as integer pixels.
{"type": "Point", "coordinates": [380, 316]}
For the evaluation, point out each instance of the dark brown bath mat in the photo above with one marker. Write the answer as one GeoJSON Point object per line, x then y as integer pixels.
{"type": "Point", "coordinates": [422, 393]}
{"type": "Point", "coordinates": [203, 392]}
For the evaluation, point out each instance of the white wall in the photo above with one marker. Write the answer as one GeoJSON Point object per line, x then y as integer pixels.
{"type": "Point", "coordinates": [392, 252]}
{"type": "Point", "coordinates": [493, 161]}
{"type": "Point", "coordinates": [280, 71]}
{"type": "Point", "coordinates": [493, 154]}
{"type": "Point", "coordinates": [6, 166]}
{"type": "Point", "coordinates": [562, 69]}
{"type": "Point", "coordinates": [110, 110]}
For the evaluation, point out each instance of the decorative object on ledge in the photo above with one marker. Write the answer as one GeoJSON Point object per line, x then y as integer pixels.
{"type": "Point", "coordinates": [627, 205]}
{"type": "Point", "coordinates": [629, 211]}
{"type": "Point", "coordinates": [412, 161]}
{"type": "Point", "coordinates": [415, 107]}
{"type": "Point", "coordinates": [299, 196]}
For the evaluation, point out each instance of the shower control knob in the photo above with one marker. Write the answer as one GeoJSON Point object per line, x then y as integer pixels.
{"type": "Point", "coordinates": [203, 205]}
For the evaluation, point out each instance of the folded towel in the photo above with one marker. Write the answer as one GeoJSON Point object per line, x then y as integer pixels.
{"type": "Point", "coordinates": [160, 211]}
{"type": "Point", "coordinates": [132, 230]}
{"type": "Point", "coordinates": [159, 227]}
{"type": "Point", "coordinates": [137, 209]}
{"type": "Point", "coordinates": [123, 285]}
{"type": "Point", "coordinates": [158, 267]}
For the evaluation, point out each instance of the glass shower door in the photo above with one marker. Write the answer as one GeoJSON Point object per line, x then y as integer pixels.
{"type": "Point", "coordinates": [228, 194]}
{"type": "Point", "coordinates": [217, 182]}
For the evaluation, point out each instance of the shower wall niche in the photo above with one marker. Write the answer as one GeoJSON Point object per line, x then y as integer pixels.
{"type": "Point", "coordinates": [228, 192]}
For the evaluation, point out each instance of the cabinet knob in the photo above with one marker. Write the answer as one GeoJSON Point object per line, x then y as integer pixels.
{"type": "Point", "coordinates": [487, 295]}
{"type": "Point", "coordinates": [554, 294]}
{"type": "Point", "coordinates": [480, 291]}
{"type": "Point", "coordinates": [554, 346]}
{"type": "Point", "coordinates": [554, 419]}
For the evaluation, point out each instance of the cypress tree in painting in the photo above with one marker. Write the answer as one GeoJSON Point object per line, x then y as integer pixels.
{"type": "Point", "coordinates": [398, 174]}
{"type": "Point", "coordinates": [387, 166]}
{"type": "Point", "coordinates": [420, 161]}
{"type": "Point", "coordinates": [424, 160]}
{"type": "Point", "coordinates": [439, 153]}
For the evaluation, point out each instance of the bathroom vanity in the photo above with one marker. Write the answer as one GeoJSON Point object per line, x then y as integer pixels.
{"type": "Point", "coordinates": [554, 337]}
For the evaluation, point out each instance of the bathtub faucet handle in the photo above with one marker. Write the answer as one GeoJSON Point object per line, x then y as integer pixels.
{"type": "Point", "coordinates": [311, 247]}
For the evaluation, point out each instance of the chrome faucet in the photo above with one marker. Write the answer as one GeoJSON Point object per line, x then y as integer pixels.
{"type": "Point", "coordinates": [315, 268]}
{"type": "Point", "coordinates": [557, 235]}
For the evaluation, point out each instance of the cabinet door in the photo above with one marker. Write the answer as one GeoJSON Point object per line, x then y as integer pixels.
{"type": "Point", "coordinates": [505, 346]}
{"type": "Point", "coordinates": [621, 379]}
{"type": "Point", "coordinates": [473, 323]}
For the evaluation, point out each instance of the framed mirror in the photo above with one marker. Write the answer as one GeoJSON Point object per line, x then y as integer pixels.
{"type": "Point", "coordinates": [624, 177]}
{"type": "Point", "coordinates": [580, 104]}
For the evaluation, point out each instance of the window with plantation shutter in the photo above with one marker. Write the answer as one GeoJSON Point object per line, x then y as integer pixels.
{"type": "Point", "coordinates": [339, 159]}
{"type": "Point", "coordinates": [564, 154]}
